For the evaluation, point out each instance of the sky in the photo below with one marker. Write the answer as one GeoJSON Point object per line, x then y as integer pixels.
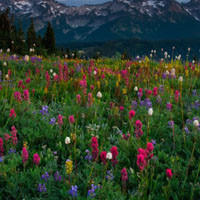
{"type": "Point", "coordinates": [82, 2]}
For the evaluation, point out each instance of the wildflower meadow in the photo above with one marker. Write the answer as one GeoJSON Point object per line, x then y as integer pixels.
{"type": "Point", "coordinates": [99, 129]}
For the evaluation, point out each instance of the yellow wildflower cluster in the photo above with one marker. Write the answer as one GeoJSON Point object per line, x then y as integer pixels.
{"type": "Point", "coordinates": [68, 166]}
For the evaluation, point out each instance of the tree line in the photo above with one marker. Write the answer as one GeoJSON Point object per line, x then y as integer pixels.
{"type": "Point", "coordinates": [13, 37]}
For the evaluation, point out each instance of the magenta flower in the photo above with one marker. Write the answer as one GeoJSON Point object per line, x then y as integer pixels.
{"type": "Point", "coordinates": [24, 155]}
{"type": "Point", "coordinates": [26, 95]}
{"type": "Point", "coordinates": [71, 119]}
{"type": "Point", "coordinates": [169, 173]}
{"type": "Point", "coordinates": [60, 119]}
{"type": "Point", "coordinates": [131, 114]}
{"type": "Point", "coordinates": [12, 113]}
{"type": "Point", "coordinates": [36, 159]}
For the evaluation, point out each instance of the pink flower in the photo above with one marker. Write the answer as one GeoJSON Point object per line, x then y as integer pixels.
{"type": "Point", "coordinates": [95, 149]}
{"type": "Point", "coordinates": [12, 113]}
{"type": "Point", "coordinates": [131, 114]}
{"type": "Point", "coordinates": [60, 119]}
{"type": "Point", "coordinates": [24, 155]}
{"type": "Point", "coordinates": [121, 108]}
{"type": "Point", "coordinates": [124, 174]}
{"type": "Point", "coordinates": [20, 83]}
{"type": "Point", "coordinates": [26, 95]}
{"type": "Point", "coordinates": [78, 98]}
{"type": "Point", "coordinates": [115, 153]}
{"type": "Point", "coordinates": [36, 159]}
{"type": "Point", "coordinates": [155, 91]}
{"type": "Point", "coordinates": [103, 157]}
{"type": "Point", "coordinates": [71, 119]}
{"type": "Point", "coordinates": [169, 173]}
{"type": "Point", "coordinates": [17, 96]}
{"type": "Point", "coordinates": [1, 147]}
{"type": "Point", "coordinates": [6, 137]}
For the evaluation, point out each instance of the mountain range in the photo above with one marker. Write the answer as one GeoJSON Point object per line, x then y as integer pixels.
{"type": "Point", "coordinates": [117, 19]}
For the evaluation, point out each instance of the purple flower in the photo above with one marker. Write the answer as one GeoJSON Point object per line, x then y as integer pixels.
{"type": "Point", "coordinates": [164, 75]}
{"type": "Point", "coordinates": [153, 142]}
{"type": "Point", "coordinates": [42, 188]}
{"type": "Point", "coordinates": [169, 106]}
{"type": "Point", "coordinates": [44, 110]}
{"type": "Point", "coordinates": [186, 130]}
{"type": "Point", "coordinates": [45, 176]}
{"type": "Point", "coordinates": [57, 176]}
{"type": "Point", "coordinates": [88, 156]}
{"type": "Point", "coordinates": [12, 151]}
{"type": "Point", "coordinates": [188, 121]}
{"type": "Point", "coordinates": [194, 92]}
{"type": "Point", "coordinates": [171, 124]}
{"type": "Point", "coordinates": [133, 105]}
{"type": "Point", "coordinates": [74, 191]}
{"type": "Point", "coordinates": [52, 121]}
{"type": "Point", "coordinates": [1, 159]}
{"type": "Point", "coordinates": [91, 192]}
{"type": "Point", "coordinates": [109, 175]}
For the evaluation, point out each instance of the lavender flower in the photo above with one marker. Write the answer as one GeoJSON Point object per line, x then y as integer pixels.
{"type": "Point", "coordinates": [45, 176]}
{"type": "Point", "coordinates": [1, 159]}
{"type": "Point", "coordinates": [109, 175]}
{"type": "Point", "coordinates": [186, 130]}
{"type": "Point", "coordinates": [57, 176]}
{"type": "Point", "coordinates": [42, 188]}
{"type": "Point", "coordinates": [44, 110]}
{"type": "Point", "coordinates": [12, 151]}
{"type": "Point", "coordinates": [88, 156]}
{"type": "Point", "coordinates": [153, 142]}
{"type": "Point", "coordinates": [134, 105]}
{"type": "Point", "coordinates": [52, 121]}
{"type": "Point", "coordinates": [91, 192]}
{"type": "Point", "coordinates": [74, 191]}
{"type": "Point", "coordinates": [171, 124]}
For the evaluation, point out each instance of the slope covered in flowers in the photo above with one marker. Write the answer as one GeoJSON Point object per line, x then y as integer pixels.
{"type": "Point", "coordinates": [104, 129]}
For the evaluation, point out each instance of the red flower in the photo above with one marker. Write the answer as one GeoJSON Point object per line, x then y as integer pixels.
{"type": "Point", "coordinates": [124, 174]}
{"type": "Point", "coordinates": [169, 173]}
{"type": "Point", "coordinates": [115, 153]}
{"type": "Point", "coordinates": [12, 113]}
{"type": "Point", "coordinates": [131, 114]}
{"type": "Point", "coordinates": [103, 157]}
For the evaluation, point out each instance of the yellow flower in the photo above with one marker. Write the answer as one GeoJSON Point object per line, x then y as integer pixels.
{"type": "Point", "coordinates": [45, 90]}
{"type": "Point", "coordinates": [98, 84]}
{"type": "Point", "coordinates": [73, 136]}
{"type": "Point", "coordinates": [25, 144]}
{"type": "Point", "coordinates": [68, 166]}
{"type": "Point", "coordinates": [119, 77]}
{"type": "Point", "coordinates": [117, 84]}
{"type": "Point", "coordinates": [124, 91]}
{"type": "Point", "coordinates": [186, 72]}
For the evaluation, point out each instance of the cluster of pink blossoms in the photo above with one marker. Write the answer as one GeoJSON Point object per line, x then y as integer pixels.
{"type": "Point", "coordinates": [144, 155]}
{"type": "Point", "coordinates": [138, 129]}
{"type": "Point", "coordinates": [95, 148]}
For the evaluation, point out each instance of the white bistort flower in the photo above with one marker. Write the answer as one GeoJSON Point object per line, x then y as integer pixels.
{"type": "Point", "coordinates": [196, 123]}
{"type": "Point", "coordinates": [67, 140]}
{"type": "Point", "coordinates": [150, 111]}
{"type": "Point", "coordinates": [136, 89]}
{"type": "Point", "coordinates": [109, 156]}
{"type": "Point", "coordinates": [99, 94]}
{"type": "Point", "coordinates": [180, 79]}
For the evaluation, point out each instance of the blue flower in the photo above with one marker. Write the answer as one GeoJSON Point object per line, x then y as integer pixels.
{"type": "Point", "coordinates": [1, 159]}
{"type": "Point", "coordinates": [91, 192]}
{"type": "Point", "coordinates": [52, 121]}
{"type": "Point", "coordinates": [44, 110]}
{"type": "Point", "coordinates": [57, 176]}
{"type": "Point", "coordinates": [45, 176]}
{"type": "Point", "coordinates": [109, 175]}
{"type": "Point", "coordinates": [171, 124]}
{"type": "Point", "coordinates": [74, 191]}
{"type": "Point", "coordinates": [12, 151]}
{"type": "Point", "coordinates": [42, 188]}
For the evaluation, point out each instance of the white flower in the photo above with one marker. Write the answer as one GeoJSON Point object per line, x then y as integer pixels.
{"type": "Point", "coordinates": [67, 140]}
{"type": "Point", "coordinates": [4, 63]}
{"type": "Point", "coordinates": [165, 54]}
{"type": "Point", "coordinates": [196, 123]}
{"type": "Point", "coordinates": [154, 51]}
{"type": "Point", "coordinates": [31, 50]}
{"type": "Point", "coordinates": [1, 50]}
{"type": "Point", "coordinates": [138, 57]}
{"type": "Point", "coordinates": [95, 72]}
{"type": "Point", "coordinates": [180, 79]}
{"type": "Point", "coordinates": [99, 95]}
{"type": "Point", "coordinates": [136, 89]}
{"type": "Point", "coordinates": [7, 76]}
{"type": "Point", "coordinates": [173, 71]}
{"type": "Point", "coordinates": [166, 67]}
{"type": "Point", "coordinates": [51, 70]}
{"type": "Point", "coordinates": [8, 50]}
{"type": "Point", "coordinates": [193, 61]}
{"type": "Point", "coordinates": [168, 56]}
{"type": "Point", "coordinates": [151, 55]}
{"type": "Point", "coordinates": [26, 58]}
{"type": "Point", "coordinates": [109, 156]}
{"type": "Point", "coordinates": [189, 49]}
{"type": "Point", "coordinates": [167, 72]}
{"type": "Point", "coordinates": [54, 74]}
{"type": "Point", "coordinates": [150, 111]}
{"type": "Point", "coordinates": [66, 56]}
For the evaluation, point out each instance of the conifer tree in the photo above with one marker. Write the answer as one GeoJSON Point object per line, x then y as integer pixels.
{"type": "Point", "coordinates": [31, 35]}
{"type": "Point", "coordinates": [49, 39]}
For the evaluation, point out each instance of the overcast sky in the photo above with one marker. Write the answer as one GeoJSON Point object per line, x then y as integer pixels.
{"type": "Point", "coordinates": [82, 2]}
